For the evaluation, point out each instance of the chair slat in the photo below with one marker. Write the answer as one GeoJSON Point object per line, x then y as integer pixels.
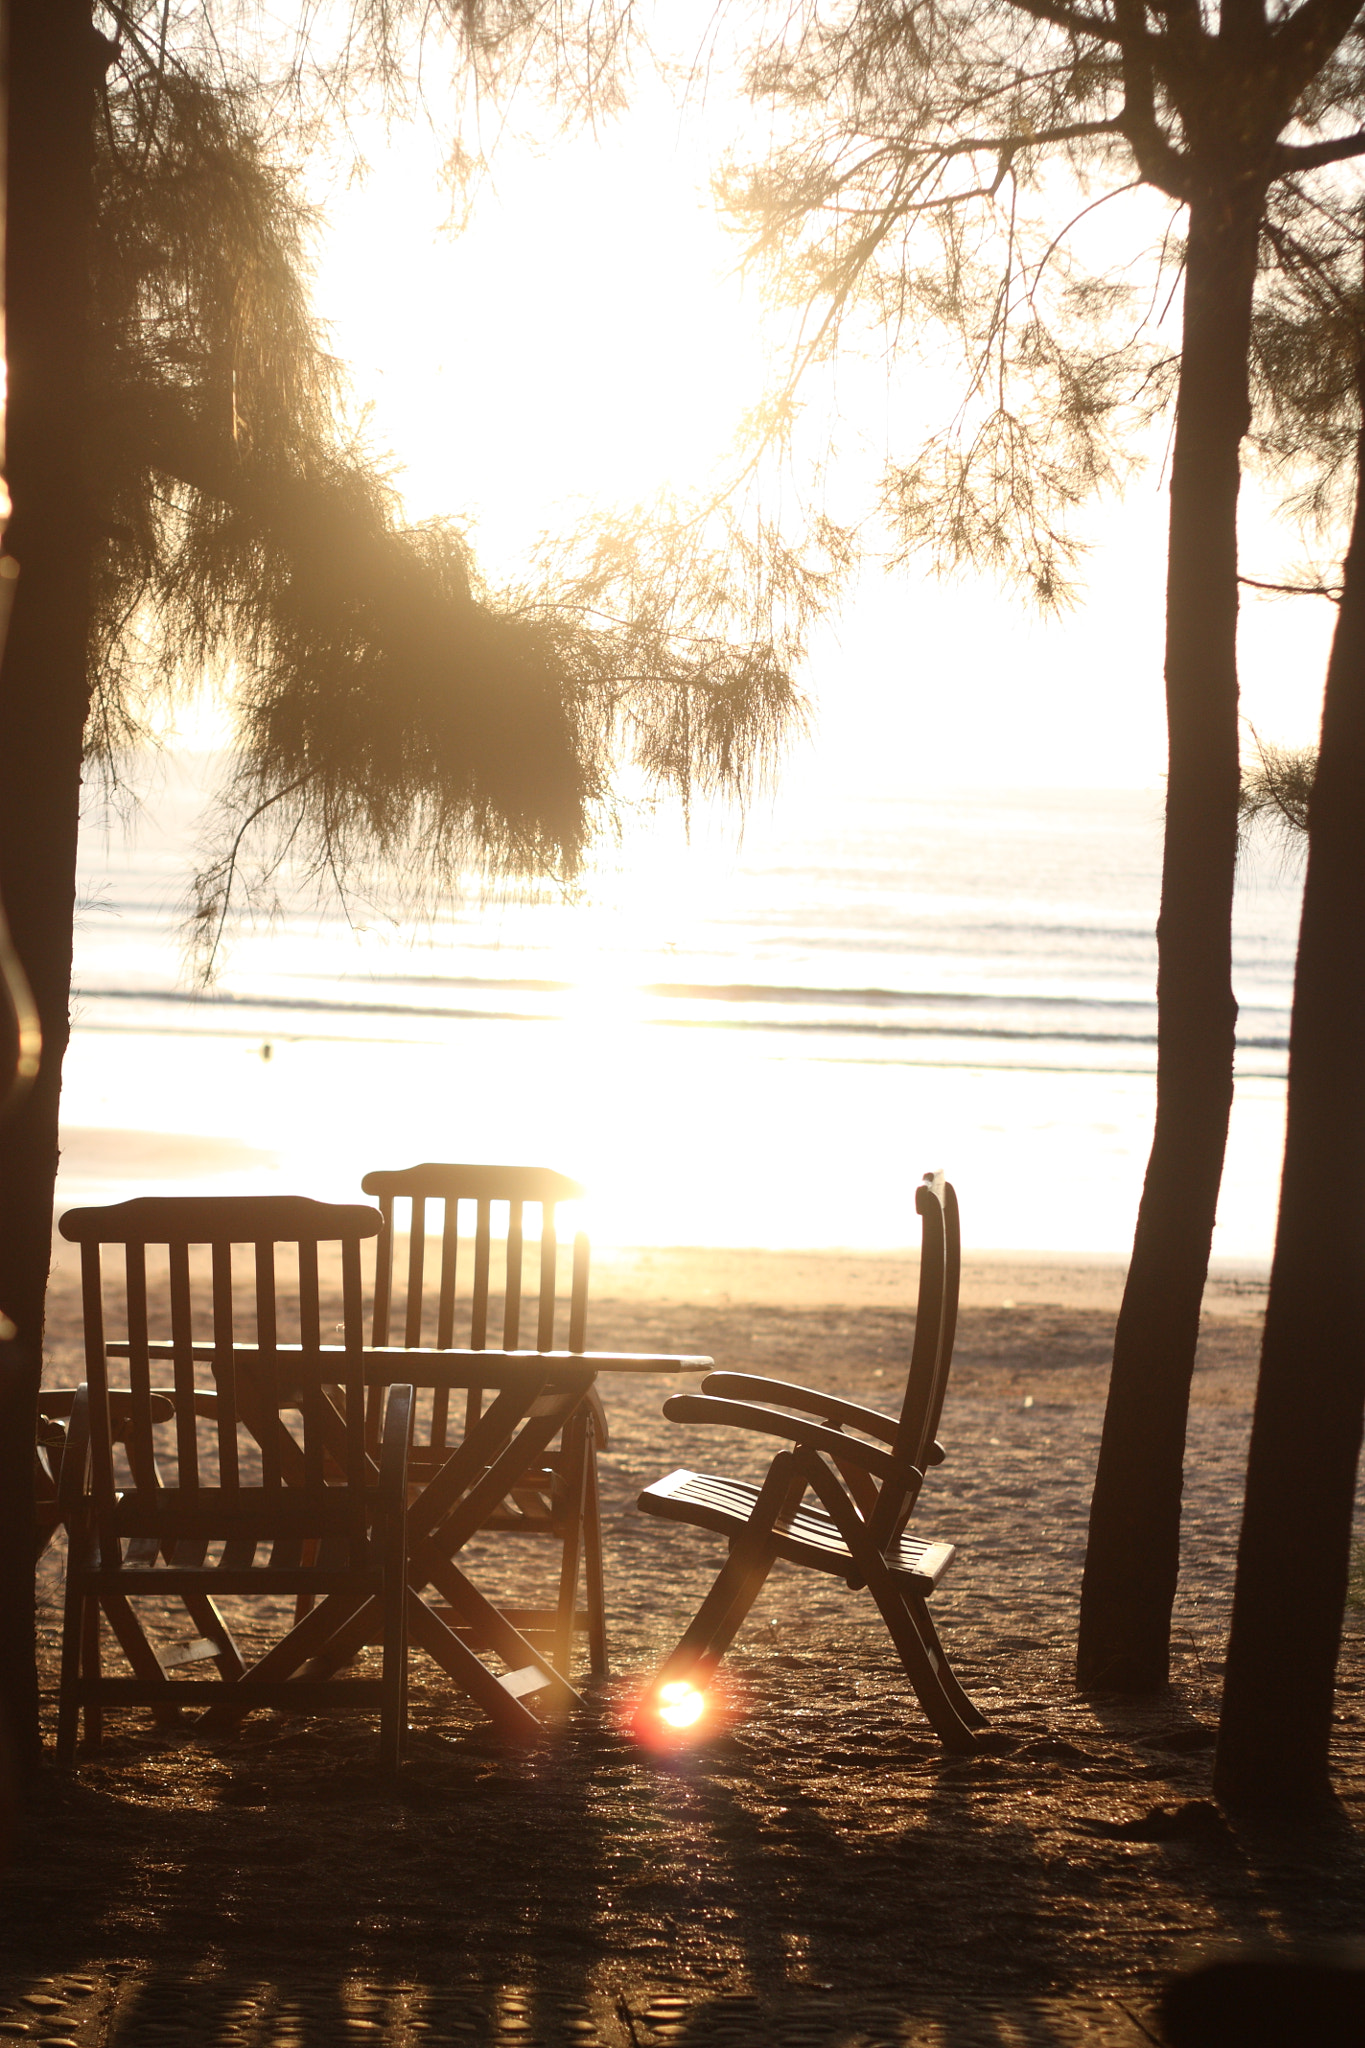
{"type": "Point", "coordinates": [445, 1317]}
{"type": "Point", "coordinates": [101, 1434]}
{"type": "Point", "coordinates": [182, 1370]}
{"type": "Point", "coordinates": [478, 1310]}
{"type": "Point", "coordinates": [450, 1259]}
{"type": "Point", "coordinates": [511, 1305]}
{"type": "Point", "coordinates": [383, 1272]}
{"type": "Point", "coordinates": [310, 1302]}
{"type": "Point", "coordinates": [256, 1393]}
{"type": "Point", "coordinates": [310, 1394]}
{"type": "Point", "coordinates": [141, 1449]}
{"type": "Point", "coordinates": [353, 1328]}
{"type": "Point", "coordinates": [545, 1326]}
{"type": "Point", "coordinates": [417, 1247]}
{"type": "Point", "coordinates": [578, 1301]}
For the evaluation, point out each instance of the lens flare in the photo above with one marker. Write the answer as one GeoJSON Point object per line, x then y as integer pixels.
{"type": "Point", "coordinates": [680, 1704]}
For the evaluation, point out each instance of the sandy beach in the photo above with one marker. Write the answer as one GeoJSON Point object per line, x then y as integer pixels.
{"type": "Point", "coordinates": [816, 1870]}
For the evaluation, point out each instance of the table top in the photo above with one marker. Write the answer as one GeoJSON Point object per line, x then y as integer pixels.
{"type": "Point", "coordinates": [459, 1367]}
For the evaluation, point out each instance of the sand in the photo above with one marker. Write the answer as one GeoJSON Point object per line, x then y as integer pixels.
{"type": "Point", "coordinates": [816, 1870]}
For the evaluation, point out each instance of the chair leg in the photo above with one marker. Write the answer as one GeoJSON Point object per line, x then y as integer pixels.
{"type": "Point", "coordinates": [393, 1718]}
{"type": "Point", "coordinates": [91, 1669]}
{"type": "Point", "coordinates": [739, 1582]}
{"type": "Point", "coordinates": [948, 1678]}
{"type": "Point", "coordinates": [310, 1637]}
{"type": "Point", "coordinates": [132, 1640]}
{"type": "Point", "coordinates": [953, 1728]}
{"type": "Point", "coordinates": [489, 1624]}
{"type": "Point", "coordinates": [203, 1612]}
{"type": "Point", "coordinates": [719, 1618]}
{"type": "Point", "coordinates": [303, 1602]}
{"type": "Point", "coordinates": [74, 1637]}
{"type": "Point", "coordinates": [577, 1439]}
{"type": "Point", "coordinates": [459, 1662]}
{"type": "Point", "coordinates": [598, 1658]}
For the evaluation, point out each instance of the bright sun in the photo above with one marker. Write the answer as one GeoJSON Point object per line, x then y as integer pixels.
{"type": "Point", "coordinates": [585, 338]}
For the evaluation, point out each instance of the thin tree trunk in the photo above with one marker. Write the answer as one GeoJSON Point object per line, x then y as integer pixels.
{"type": "Point", "coordinates": [1294, 1555]}
{"type": "Point", "coordinates": [54, 68]}
{"type": "Point", "coordinates": [1133, 1555]}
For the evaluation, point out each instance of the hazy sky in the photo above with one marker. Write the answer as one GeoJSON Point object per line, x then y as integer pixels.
{"type": "Point", "coordinates": [588, 338]}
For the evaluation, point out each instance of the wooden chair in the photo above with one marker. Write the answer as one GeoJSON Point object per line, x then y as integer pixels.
{"type": "Point", "coordinates": [500, 1308]}
{"type": "Point", "coordinates": [211, 1471]}
{"type": "Point", "coordinates": [864, 1493]}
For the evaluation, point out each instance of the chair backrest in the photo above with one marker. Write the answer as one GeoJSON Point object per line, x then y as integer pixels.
{"type": "Point", "coordinates": [931, 1355]}
{"type": "Point", "coordinates": [174, 1308]}
{"type": "Point", "coordinates": [488, 1205]}
{"type": "Point", "coordinates": [495, 1308]}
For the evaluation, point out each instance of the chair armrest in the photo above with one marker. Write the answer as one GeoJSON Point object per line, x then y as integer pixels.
{"type": "Point", "coordinates": [74, 1477]}
{"type": "Point", "coordinates": [593, 1402]}
{"type": "Point", "coordinates": [749, 1386]}
{"type": "Point", "coordinates": [394, 1444]}
{"type": "Point", "coordinates": [815, 1437]}
{"type": "Point", "coordinates": [55, 1405]}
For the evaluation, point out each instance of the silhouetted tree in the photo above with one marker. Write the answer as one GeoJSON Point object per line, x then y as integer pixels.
{"type": "Point", "coordinates": [915, 180]}
{"type": "Point", "coordinates": [1293, 1559]}
{"type": "Point", "coordinates": [188, 504]}
{"type": "Point", "coordinates": [54, 73]}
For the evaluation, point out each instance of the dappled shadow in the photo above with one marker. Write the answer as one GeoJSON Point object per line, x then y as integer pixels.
{"type": "Point", "coordinates": [816, 1872]}
{"type": "Point", "coordinates": [817, 1863]}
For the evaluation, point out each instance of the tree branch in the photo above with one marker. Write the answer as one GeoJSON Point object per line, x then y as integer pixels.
{"type": "Point", "coordinates": [1304, 40]}
{"type": "Point", "coordinates": [1331, 591]}
{"type": "Point", "coordinates": [1159, 163]}
{"type": "Point", "coordinates": [1307, 156]}
{"type": "Point", "coordinates": [1034, 138]}
{"type": "Point", "coordinates": [1073, 20]}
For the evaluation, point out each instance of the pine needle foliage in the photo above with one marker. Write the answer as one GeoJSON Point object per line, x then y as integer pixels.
{"type": "Point", "coordinates": [1276, 789]}
{"type": "Point", "coordinates": [909, 204]}
{"type": "Point", "coordinates": [1305, 341]}
{"type": "Point", "coordinates": [389, 709]}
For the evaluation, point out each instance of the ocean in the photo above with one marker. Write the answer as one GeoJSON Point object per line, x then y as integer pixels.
{"type": "Point", "coordinates": [762, 1040]}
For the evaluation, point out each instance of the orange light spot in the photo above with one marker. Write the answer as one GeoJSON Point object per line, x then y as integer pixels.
{"type": "Point", "coordinates": [680, 1704]}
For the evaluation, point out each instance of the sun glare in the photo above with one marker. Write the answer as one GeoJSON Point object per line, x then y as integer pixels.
{"type": "Point", "coordinates": [681, 1705]}
{"type": "Point", "coordinates": [584, 338]}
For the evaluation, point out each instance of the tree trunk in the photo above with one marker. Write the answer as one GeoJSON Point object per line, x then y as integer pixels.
{"type": "Point", "coordinates": [1134, 1549]}
{"type": "Point", "coordinates": [1294, 1555]}
{"type": "Point", "coordinates": [53, 73]}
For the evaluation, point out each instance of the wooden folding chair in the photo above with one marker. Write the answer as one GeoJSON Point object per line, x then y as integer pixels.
{"type": "Point", "coordinates": [255, 1440]}
{"type": "Point", "coordinates": [504, 1217]}
{"type": "Point", "coordinates": [864, 1494]}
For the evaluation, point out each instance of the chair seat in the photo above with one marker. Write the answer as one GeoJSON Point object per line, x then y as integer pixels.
{"type": "Point", "coordinates": [808, 1537]}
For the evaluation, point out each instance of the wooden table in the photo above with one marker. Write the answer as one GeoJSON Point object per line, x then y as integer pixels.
{"type": "Point", "coordinates": [534, 1393]}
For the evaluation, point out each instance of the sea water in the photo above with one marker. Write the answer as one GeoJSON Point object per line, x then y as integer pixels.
{"type": "Point", "coordinates": [762, 1040]}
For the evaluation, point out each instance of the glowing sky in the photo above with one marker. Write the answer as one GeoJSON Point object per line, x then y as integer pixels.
{"type": "Point", "coordinates": [587, 338]}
